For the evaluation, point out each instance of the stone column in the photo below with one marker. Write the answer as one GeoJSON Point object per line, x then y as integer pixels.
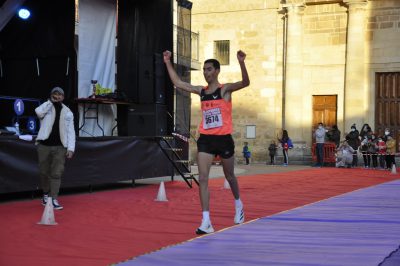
{"type": "Point", "coordinates": [355, 91]}
{"type": "Point", "coordinates": [293, 94]}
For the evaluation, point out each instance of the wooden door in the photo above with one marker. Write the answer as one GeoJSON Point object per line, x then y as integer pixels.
{"type": "Point", "coordinates": [387, 104]}
{"type": "Point", "coordinates": [324, 110]}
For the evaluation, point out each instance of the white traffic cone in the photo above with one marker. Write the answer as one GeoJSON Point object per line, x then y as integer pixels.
{"type": "Point", "coordinates": [48, 213]}
{"type": "Point", "coordinates": [226, 184]}
{"type": "Point", "coordinates": [161, 196]}
{"type": "Point", "coordinates": [394, 170]}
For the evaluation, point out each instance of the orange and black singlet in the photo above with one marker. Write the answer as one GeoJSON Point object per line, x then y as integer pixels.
{"type": "Point", "coordinates": [216, 113]}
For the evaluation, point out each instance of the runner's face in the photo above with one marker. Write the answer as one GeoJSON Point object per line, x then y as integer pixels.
{"type": "Point", "coordinates": [209, 72]}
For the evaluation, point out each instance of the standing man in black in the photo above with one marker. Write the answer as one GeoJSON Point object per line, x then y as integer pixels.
{"type": "Point", "coordinates": [354, 141]}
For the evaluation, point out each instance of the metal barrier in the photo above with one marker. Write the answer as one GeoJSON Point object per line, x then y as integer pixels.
{"type": "Point", "coordinates": [329, 152]}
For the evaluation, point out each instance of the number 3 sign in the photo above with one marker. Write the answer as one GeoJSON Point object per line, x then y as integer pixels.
{"type": "Point", "coordinates": [31, 124]}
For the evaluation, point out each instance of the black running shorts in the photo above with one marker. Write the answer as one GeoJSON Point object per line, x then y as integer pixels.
{"type": "Point", "coordinates": [221, 145]}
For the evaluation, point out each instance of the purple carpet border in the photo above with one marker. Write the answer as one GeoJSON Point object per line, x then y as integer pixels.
{"type": "Point", "coordinates": [356, 228]}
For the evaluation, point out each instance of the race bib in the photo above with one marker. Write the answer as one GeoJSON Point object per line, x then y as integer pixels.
{"type": "Point", "coordinates": [212, 118]}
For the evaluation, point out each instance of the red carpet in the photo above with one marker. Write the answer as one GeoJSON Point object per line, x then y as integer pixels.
{"type": "Point", "coordinates": [108, 227]}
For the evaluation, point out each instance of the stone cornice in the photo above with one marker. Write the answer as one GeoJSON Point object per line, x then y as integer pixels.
{"type": "Point", "coordinates": [323, 2]}
{"type": "Point", "coordinates": [349, 2]}
{"type": "Point", "coordinates": [355, 4]}
{"type": "Point", "coordinates": [293, 6]}
{"type": "Point", "coordinates": [294, 2]}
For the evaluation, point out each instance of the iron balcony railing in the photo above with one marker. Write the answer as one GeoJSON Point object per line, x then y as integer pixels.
{"type": "Point", "coordinates": [186, 48]}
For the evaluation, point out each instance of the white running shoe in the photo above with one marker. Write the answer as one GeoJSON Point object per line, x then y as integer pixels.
{"type": "Point", "coordinates": [239, 215]}
{"type": "Point", "coordinates": [205, 228]}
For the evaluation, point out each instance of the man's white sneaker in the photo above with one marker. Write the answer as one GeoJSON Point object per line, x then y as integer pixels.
{"type": "Point", "coordinates": [57, 205]}
{"type": "Point", "coordinates": [205, 228]}
{"type": "Point", "coordinates": [45, 198]}
{"type": "Point", "coordinates": [239, 215]}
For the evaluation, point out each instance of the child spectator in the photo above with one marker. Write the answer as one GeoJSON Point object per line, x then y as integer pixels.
{"type": "Point", "coordinates": [272, 151]}
{"type": "Point", "coordinates": [246, 153]}
{"type": "Point", "coordinates": [381, 152]}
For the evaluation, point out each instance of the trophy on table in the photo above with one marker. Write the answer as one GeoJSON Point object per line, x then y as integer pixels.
{"type": "Point", "coordinates": [94, 82]}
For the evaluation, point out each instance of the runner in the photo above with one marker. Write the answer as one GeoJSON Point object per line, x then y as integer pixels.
{"type": "Point", "coordinates": [215, 130]}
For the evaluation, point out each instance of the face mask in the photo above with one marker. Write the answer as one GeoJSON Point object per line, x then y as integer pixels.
{"type": "Point", "coordinates": [353, 129]}
{"type": "Point", "coordinates": [387, 133]}
{"type": "Point", "coordinates": [319, 127]}
{"type": "Point", "coordinates": [380, 139]}
{"type": "Point", "coordinates": [373, 137]}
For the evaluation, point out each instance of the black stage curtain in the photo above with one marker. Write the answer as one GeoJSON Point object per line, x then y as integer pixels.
{"type": "Point", "coordinates": [38, 54]}
{"type": "Point", "coordinates": [145, 30]}
{"type": "Point", "coordinates": [96, 161]}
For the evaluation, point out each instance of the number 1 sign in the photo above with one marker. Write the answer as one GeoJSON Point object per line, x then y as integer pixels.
{"type": "Point", "coordinates": [19, 106]}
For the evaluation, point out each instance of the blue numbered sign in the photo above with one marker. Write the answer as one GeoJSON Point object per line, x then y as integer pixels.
{"type": "Point", "coordinates": [19, 106]}
{"type": "Point", "coordinates": [31, 124]}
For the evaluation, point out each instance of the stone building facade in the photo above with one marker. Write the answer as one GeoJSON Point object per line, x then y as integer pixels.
{"type": "Point", "coordinates": [309, 61]}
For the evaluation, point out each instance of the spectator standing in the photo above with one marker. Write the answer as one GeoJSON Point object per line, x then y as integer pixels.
{"type": "Point", "coordinates": [354, 141]}
{"type": "Point", "coordinates": [365, 131]}
{"type": "Point", "coordinates": [272, 151]}
{"type": "Point", "coordinates": [55, 142]}
{"type": "Point", "coordinates": [284, 140]}
{"type": "Point", "coordinates": [365, 136]}
{"type": "Point", "coordinates": [246, 153]}
{"type": "Point", "coordinates": [320, 142]}
{"type": "Point", "coordinates": [390, 152]}
{"type": "Point", "coordinates": [387, 133]}
{"type": "Point", "coordinates": [373, 150]}
{"type": "Point", "coordinates": [364, 151]}
{"type": "Point", "coordinates": [381, 152]}
{"type": "Point", "coordinates": [334, 135]}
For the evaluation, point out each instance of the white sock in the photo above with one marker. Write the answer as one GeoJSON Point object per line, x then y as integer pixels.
{"type": "Point", "coordinates": [206, 216]}
{"type": "Point", "coordinates": [238, 203]}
